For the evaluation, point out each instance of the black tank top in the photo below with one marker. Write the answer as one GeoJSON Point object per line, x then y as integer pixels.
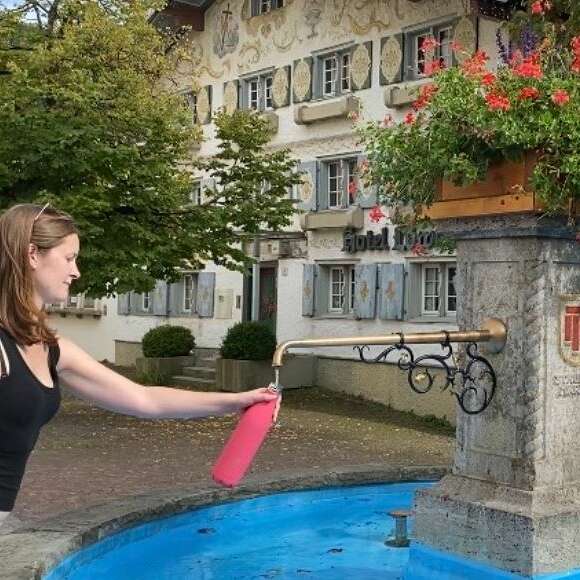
{"type": "Point", "coordinates": [25, 406]}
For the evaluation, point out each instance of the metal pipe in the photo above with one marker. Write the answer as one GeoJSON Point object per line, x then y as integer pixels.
{"type": "Point", "coordinates": [493, 331]}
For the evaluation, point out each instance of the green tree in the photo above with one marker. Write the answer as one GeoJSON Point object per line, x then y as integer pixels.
{"type": "Point", "coordinates": [89, 120]}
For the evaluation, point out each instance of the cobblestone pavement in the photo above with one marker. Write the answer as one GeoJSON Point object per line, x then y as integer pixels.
{"type": "Point", "coordinates": [87, 456]}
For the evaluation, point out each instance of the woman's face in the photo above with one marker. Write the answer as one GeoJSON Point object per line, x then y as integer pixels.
{"type": "Point", "coordinates": [54, 270]}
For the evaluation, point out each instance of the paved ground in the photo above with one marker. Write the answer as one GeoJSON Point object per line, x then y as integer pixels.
{"type": "Point", "coordinates": [87, 456]}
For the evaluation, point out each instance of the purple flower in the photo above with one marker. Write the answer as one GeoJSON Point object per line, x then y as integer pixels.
{"type": "Point", "coordinates": [503, 50]}
{"type": "Point", "coordinates": [529, 40]}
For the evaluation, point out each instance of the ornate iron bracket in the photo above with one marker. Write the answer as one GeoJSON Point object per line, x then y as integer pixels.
{"type": "Point", "coordinates": [473, 384]}
{"type": "Point", "coordinates": [472, 379]}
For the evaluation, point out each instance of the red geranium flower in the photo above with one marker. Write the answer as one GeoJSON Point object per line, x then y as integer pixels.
{"type": "Point", "coordinates": [488, 79]}
{"type": "Point", "coordinates": [428, 44]}
{"type": "Point", "coordinates": [530, 67]}
{"type": "Point", "coordinates": [560, 97]}
{"type": "Point", "coordinates": [537, 7]}
{"type": "Point", "coordinates": [433, 67]}
{"type": "Point", "coordinates": [456, 46]}
{"type": "Point", "coordinates": [419, 250]}
{"type": "Point", "coordinates": [352, 188]}
{"type": "Point", "coordinates": [497, 102]}
{"type": "Point", "coordinates": [529, 93]}
{"type": "Point", "coordinates": [409, 119]}
{"type": "Point", "coordinates": [475, 65]}
{"type": "Point", "coordinates": [376, 214]}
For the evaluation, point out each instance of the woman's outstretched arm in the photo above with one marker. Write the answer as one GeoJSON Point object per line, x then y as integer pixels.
{"type": "Point", "coordinates": [93, 381]}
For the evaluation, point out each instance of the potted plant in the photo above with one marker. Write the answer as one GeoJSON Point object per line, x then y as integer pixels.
{"type": "Point", "coordinates": [166, 350]}
{"type": "Point", "coordinates": [480, 141]}
{"type": "Point", "coordinates": [246, 360]}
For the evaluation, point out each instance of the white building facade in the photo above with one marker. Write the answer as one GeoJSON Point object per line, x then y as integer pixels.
{"type": "Point", "coordinates": [342, 268]}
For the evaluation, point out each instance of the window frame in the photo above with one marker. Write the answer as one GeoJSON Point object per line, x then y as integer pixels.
{"type": "Point", "coordinates": [260, 7]}
{"type": "Point", "coordinates": [339, 83]}
{"type": "Point", "coordinates": [443, 294]}
{"type": "Point", "coordinates": [347, 290]}
{"type": "Point", "coordinates": [347, 174]}
{"type": "Point", "coordinates": [412, 56]}
{"type": "Point", "coordinates": [191, 308]}
{"type": "Point", "coordinates": [264, 98]}
{"type": "Point", "coordinates": [197, 192]}
{"type": "Point", "coordinates": [146, 301]}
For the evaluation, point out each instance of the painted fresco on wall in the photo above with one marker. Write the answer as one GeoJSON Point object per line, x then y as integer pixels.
{"type": "Point", "coordinates": [234, 43]}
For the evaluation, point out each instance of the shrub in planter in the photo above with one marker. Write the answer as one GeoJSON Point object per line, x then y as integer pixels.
{"type": "Point", "coordinates": [249, 341]}
{"type": "Point", "coordinates": [167, 341]}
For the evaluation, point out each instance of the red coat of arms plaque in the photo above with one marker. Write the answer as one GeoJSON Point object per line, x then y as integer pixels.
{"type": "Point", "coordinates": [570, 329]}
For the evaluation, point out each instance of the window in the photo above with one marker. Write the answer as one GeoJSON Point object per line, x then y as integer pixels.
{"type": "Point", "coordinates": [188, 305]}
{"type": "Point", "coordinates": [196, 193]}
{"type": "Point", "coordinates": [258, 93]}
{"type": "Point", "coordinates": [438, 294]}
{"type": "Point", "coordinates": [191, 101]}
{"type": "Point", "coordinates": [146, 304]}
{"type": "Point", "coordinates": [265, 6]}
{"type": "Point", "coordinates": [333, 72]}
{"type": "Point", "coordinates": [419, 59]}
{"type": "Point", "coordinates": [338, 287]}
{"type": "Point", "coordinates": [340, 181]}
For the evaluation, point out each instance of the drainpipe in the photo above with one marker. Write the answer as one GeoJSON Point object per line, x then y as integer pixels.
{"type": "Point", "coordinates": [256, 280]}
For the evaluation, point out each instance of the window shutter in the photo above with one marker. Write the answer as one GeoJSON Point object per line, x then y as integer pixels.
{"type": "Point", "coordinates": [123, 303]}
{"type": "Point", "coordinates": [413, 291]}
{"type": "Point", "coordinates": [361, 66]}
{"type": "Point", "coordinates": [231, 96]}
{"type": "Point", "coordinates": [322, 195]}
{"type": "Point", "coordinates": [281, 87]}
{"type": "Point", "coordinates": [205, 294]}
{"type": "Point", "coordinates": [308, 289]}
{"type": "Point", "coordinates": [464, 33]}
{"type": "Point", "coordinates": [367, 194]}
{"type": "Point", "coordinates": [176, 298]}
{"type": "Point", "coordinates": [391, 69]}
{"type": "Point", "coordinates": [391, 291]}
{"type": "Point", "coordinates": [159, 298]}
{"type": "Point", "coordinates": [307, 191]}
{"type": "Point", "coordinates": [302, 80]}
{"type": "Point", "coordinates": [365, 276]}
{"type": "Point", "coordinates": [204, 100]}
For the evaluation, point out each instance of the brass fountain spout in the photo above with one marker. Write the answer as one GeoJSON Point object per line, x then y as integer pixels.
{"type": "Point", "coordinates": [493, 331]}
{"type": "Point", "coordinates": [473, 381]}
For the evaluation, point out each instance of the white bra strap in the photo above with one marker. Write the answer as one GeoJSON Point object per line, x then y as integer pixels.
{"type": "Point", "coordinates": [4, 362]}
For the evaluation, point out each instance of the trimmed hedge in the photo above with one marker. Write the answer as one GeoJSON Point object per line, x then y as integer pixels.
{"type": "Point", "coordinates": [166, 341]}
{"type": "Point", "coordinates": [249, 341]}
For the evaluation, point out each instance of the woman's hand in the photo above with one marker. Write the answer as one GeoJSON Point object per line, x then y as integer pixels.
{"type": "Point", "coordinates": [248, 398]}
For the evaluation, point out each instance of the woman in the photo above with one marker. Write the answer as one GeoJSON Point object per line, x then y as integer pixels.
{"type": "Point", "coordinates": [38, 251]}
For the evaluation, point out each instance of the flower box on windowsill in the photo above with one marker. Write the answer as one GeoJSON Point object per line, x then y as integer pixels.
{"type": "Point", "coordinates": [504, 191]}
{"type": "Point", "coordinates": [353, 218]}
{"type": "Point", "coordinates": [327, 109]}
{"type": "Point", "coordinates": [403, 94]}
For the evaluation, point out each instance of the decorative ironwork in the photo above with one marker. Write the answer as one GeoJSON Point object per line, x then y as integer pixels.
{"type": "Point", "coordinates": [473, 385]}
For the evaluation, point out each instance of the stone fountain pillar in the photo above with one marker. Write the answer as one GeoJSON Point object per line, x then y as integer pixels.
{"type": "Point", "coordinates": [513, 498]}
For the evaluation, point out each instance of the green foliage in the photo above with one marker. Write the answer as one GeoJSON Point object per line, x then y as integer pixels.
{"type": "Point", "coordinates": [249, 341]}
{"type": "Point", "coordinates": [470, 117]}
{"type": "Point", "coordinates": [89, 120]}
{"type": "Point", "coordinates": [167, 340]}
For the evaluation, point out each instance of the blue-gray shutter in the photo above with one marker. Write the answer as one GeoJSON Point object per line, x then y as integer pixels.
{"type": "Point", "coordinates": [285, 100]}
{"type": "Point", "coordinates": [123, 303]}
{"type": "Point", "coordinates": [205, 294]}
{"type": "Point", "coordinates": [391, 65]}
{"type": "Point", "coordinates": [307, 192]}
{"type": "Point", "coordinates": [308, 289]}
{"type": "Point", "coordinates": [308, 95]}
{"type": "Point", "coordinates": [176, 298]}
{"type": "Point", "coordinates": [159, 298]}
{"type": "Point", "coordinates": [365, 277]}
{"type": "Point", "coordinates": [367, 194]}
{"type": "Point", "coordinates": [391, 291]}
{"type": "Point", "coordinates": [368, 46]}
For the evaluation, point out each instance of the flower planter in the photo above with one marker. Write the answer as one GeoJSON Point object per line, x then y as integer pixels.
{"type": "Point", "coordinates": [503, 191]}
{"type": "Point", "coordinates": [241, 375]}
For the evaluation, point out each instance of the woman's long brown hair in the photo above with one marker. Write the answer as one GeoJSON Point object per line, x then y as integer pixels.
{"type": "Point", "coordinates": [20, 226]}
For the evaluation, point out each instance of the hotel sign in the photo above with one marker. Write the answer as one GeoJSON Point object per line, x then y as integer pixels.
{"type": "Point", "coordinates": [404, 240]}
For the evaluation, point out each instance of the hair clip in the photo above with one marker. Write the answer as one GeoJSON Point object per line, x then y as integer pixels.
{"type": "Point", "coordinates": [41, 211]}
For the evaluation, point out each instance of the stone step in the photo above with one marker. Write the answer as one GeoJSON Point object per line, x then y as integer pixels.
{"type": "Point", "coordinates": [195, 384]}
{"type": "Point", "coordinates": [199, 372]}
{"type": "Point", "coordinates": [207, 360]}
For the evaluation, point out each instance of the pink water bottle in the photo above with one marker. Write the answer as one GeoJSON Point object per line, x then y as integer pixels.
{"type": "Point", "coordinates": [243, 444]}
